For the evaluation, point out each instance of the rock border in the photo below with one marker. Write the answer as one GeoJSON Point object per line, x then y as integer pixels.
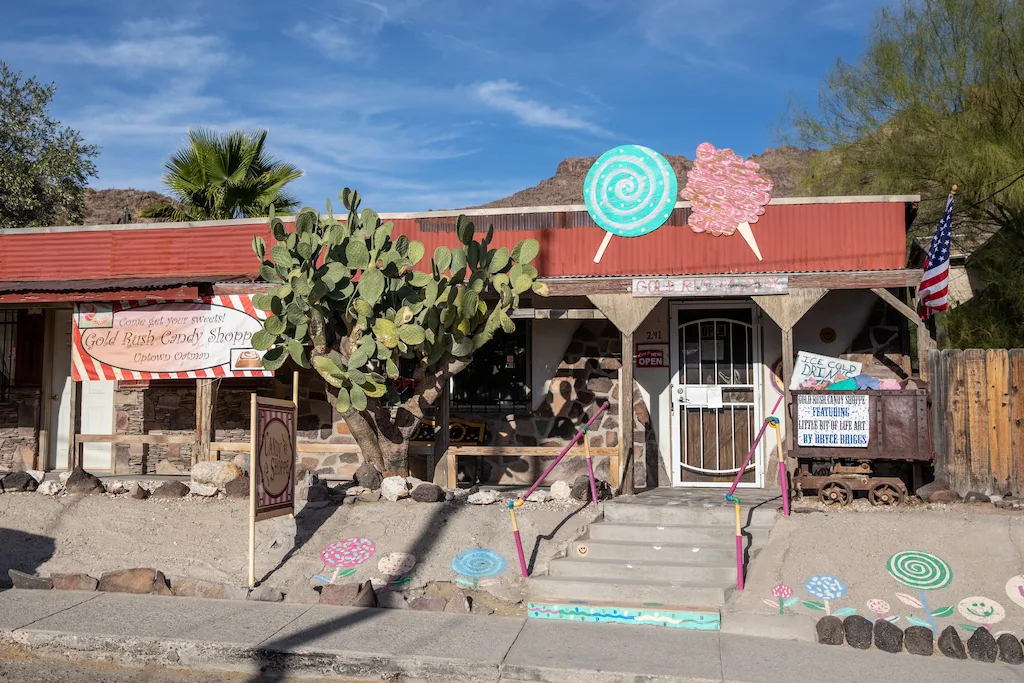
{"type": "Point", "coordinates": [860, 633]}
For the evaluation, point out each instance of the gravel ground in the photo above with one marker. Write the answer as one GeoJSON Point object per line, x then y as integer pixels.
{"type": "Point", "coordinates": [207, 538]}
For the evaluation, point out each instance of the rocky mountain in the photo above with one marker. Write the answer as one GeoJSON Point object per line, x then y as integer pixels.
{"type": "Point", "coordinates": [105, 207]}
{"type": "Point", "coordinates": [784, 165]}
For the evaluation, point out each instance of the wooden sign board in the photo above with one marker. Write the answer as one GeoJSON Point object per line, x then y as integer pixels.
{"type": "Point", "coordinates": [272, 458]}
{"type": "Point", "coordinates": [711, 285]}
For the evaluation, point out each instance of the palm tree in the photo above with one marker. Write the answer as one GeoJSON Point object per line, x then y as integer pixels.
{"type": "Point", "coordinates": [225, 176]}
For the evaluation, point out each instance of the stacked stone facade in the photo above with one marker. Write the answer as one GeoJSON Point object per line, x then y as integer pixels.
{"type": "Point", "coordinates": [19, 430]}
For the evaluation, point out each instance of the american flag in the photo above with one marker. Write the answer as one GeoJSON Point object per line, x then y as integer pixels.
{"type": "Point", "coordinates": [934, 289]}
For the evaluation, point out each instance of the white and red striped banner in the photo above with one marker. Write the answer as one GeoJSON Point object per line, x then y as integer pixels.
{"type": "Point", "coordinates": [186, 339]}
{"type": "Point", "coordinates": [274, 464]}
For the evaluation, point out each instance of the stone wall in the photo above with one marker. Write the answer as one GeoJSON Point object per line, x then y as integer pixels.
{"type": "Point", "coordinates": [19, 430]}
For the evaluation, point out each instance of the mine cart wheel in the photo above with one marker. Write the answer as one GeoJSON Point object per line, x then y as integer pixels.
{"type": "Point", "coordinates": [885, 493]}
{"type": "Point", "coordinates": [835, 492]}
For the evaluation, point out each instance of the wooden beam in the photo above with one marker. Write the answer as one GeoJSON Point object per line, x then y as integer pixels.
{"type": "Point", "coordinates": [889, 298]}
{"type": "Point", "coordinates": [787, 309]}
{"type": "Point", "coordinates": [135, 438]}
{"type": "Point", "coordinates": [527, 451]}
{"type": "Point", "coordinates": [558, 314]}
{"type": "Point", "coordinates": [787, 377]}
{"type": "Point", "coordinates": [863, 279]}
{"type": "Point", "coordinates": [626, 423]}
{"type": "Point", "coordinates": [442, 435]}
{"type": "Point", "coordinates": [625, 312]}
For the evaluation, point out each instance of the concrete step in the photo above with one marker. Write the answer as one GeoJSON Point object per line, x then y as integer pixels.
{"type": "Point", "coordinates": [595, 568]}
{"type": "Point", "coordinates": [719, 536]}
{"type": "Point", "coordinates": [690, 515]}
{"type": "Point", "coordinates": [664, 553]}
{"type": "Point", "coordinates": [624, 592]}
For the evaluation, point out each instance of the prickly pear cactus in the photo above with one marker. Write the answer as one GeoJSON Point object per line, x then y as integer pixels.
{"type": "Point", "coordinates": [350, 301]}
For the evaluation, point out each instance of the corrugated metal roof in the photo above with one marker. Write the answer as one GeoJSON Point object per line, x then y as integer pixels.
{"type": "Point", "coordinates": [793, 237]}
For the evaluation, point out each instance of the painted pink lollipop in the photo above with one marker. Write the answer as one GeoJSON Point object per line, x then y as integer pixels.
{"type": "Point", "coordinates": [726, 194]}
{"type": "Point", "coordinates": [347, 555]}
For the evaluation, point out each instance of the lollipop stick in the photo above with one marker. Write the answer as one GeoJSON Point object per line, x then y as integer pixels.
{"type": "Point", "coordinates": [748, 235]}
{"type": "Point", "coordinates": [334, 578]}
{"type": "Point", "coordinates": [604, 245]}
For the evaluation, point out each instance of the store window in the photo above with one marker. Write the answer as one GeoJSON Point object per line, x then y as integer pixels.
{"type": "Point", "coordinates": [498, 377]}
{"type": "Point", "coordinates": [21, 350]}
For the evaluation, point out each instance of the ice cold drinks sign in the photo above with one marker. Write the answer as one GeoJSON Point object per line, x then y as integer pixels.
{"type": "Point", "coordinates": [832, 420]}
{"type": "Point", "coordinates": [205, 338]}
{"type": "Point", "coordinates": [811, 366]}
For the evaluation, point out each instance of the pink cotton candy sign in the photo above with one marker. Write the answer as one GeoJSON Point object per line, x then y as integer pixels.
{"type": "Point", "coordinates": [726, 194]}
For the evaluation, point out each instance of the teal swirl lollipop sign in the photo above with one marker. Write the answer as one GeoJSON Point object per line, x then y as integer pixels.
{"type": "Point", "coordinates": [630, 191]}
{"type": "Point", "coordinates": [923, 571]}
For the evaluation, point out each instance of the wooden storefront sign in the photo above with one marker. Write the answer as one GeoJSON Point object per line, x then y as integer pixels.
{"type": "Point", "coordinates": [711, 285]}
{"type": "Point", "coordinates": [271, 465]}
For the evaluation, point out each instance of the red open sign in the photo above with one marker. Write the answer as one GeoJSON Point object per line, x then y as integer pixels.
{"type": "Point", "coordinates": [651, 355]}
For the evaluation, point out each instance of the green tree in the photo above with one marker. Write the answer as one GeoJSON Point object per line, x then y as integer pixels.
{"type": "Point", "coordinates": [43, 165]}
{"type": "Point", "coordinates": [226, 176]}
{"type": "Point", "coordinates": [349, 301]}
{"type": "Point", "coordinates": [937, 99]}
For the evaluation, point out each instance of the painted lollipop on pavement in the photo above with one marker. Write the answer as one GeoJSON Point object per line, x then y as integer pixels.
{"type": "Point", "coordinates": [630, 191]}
{"type": "Point", "coordinates": [476, 564]}
{"type": "Point", "coordinates": [922, 571]}
{"type": "Point", "coordinates": [346, 555]}
{"type": "Point", "coordinates": [726, 194]}
{"type": "Point", "coordinates": [395, 566]}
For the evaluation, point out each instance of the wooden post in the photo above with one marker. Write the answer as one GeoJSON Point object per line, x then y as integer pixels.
{"type": "Point", "coordinates": [787, 377]}
{"type": "Point", "coordinates": [626, 399]}
{"type": "Point", "coordinates": [206, 402]}
{"type": "Point", "coordinates": [252, 492]}
{"type": "Point", "coordinates": [442, 430]}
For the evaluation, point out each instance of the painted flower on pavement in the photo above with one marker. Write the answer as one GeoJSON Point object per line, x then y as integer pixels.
{"type": "Point", "coordinates": [981, 610]}
{"type": "Point", "coordinates": [346, 555]}
{"type": "Point", "coordinates": [783, 595]}
{"type": "Point", "coordinates": [824, 588]}
{"type": "Point", "coordinates": [395, 566]}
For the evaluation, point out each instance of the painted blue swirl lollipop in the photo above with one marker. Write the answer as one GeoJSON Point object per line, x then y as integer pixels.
{"type": "Point", "coordinates": [630, 191]}
{"type": "Point", "coordinates": [478, 563]}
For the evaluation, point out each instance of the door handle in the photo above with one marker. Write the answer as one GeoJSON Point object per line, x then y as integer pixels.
{"type": "Point", "coordinates": [56, 397]}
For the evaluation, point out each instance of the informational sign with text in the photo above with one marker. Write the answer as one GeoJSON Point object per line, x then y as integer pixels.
{"type": "Point", "coordinates": [142, 340]}
{"type": "Point", "coordinates": [821, 368]}
{"type": "Point", "coordinates": [831, 419]}
{"type": "Point", "coordinates": [273, 458]}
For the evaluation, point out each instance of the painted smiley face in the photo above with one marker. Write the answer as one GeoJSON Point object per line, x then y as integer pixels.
{"type": "Point", "coordinates": [981, 610]}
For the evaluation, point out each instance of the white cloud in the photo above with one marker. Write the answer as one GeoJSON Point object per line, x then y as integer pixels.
{"type": "Point", "coordinates": [332, 40]}
{"type": "Point", "coordinates": [138, 45]}
{"type": "Point", "coordinates": [506, 96]}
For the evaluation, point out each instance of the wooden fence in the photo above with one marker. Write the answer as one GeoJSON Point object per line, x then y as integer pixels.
{"type": "Point", "coordinates": [978, 419]}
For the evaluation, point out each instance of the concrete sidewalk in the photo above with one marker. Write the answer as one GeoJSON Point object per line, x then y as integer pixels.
{"type": "Point", "coordinates": [376, 644]}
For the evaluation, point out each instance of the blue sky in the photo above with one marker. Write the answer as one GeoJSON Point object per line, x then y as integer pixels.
{"type": "Point", "coordinates": [428, 104]}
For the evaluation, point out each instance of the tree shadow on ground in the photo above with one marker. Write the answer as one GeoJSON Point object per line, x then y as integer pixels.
{"type": "Point", "coordinates": [23, 552]}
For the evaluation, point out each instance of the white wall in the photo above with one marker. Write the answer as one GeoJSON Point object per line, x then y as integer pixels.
{"type": "Point", "coordinates": [655, 383]}
{"type": "Point", "coordinates": [550, 339]}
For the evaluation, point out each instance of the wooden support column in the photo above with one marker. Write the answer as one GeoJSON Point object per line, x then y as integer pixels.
{"type": "Point", "coordinates": [442, 432]}
{"type": "Point", "coordinates": [206, 408]}
{"type": "Point", "coordinates": [627, 314]}
{"type": "Point", "coordinates": [787, 310]}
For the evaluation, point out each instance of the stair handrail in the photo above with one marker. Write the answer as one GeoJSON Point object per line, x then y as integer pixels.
{"type": "Point", "coordinates": [730, 497]}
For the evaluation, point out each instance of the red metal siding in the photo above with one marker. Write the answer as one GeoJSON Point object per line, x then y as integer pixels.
{"type": "Point", "coordinates": [792, 238]}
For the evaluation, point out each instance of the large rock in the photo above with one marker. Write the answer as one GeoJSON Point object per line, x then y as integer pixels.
{"type": "Point", "coordinates": [137, 492]}
{"type": "Point", "coordinates": [393, 488]}
{"type": "Point", "coordinates": [50, 488]}
{"type": "Point", "coordinates": [18, 482]}
{"type": "Point", "coordinates": [215, 473]}
{"type": "Point", "coordinates": [81, 481]}
{"type": "Point", "coordinates": [888, 636]}
{"type": "Point", "coordinates": [951, 645]}
{"type": "Point", "coordinates": [367, 476]}
{"type": "Point", "coordinates": [38, 475]}
{"type": "Point", "coordinates": [203, 490]}
{"type": "Point", "coordinates": [459, 603]}
{"type": "Point", "coordinates": [539, 496]}
{"type": "Point", "coordinates": [185, 587]}
{"type": "Point", "coordinates": [483, 498]}
{"type": "Point", "coordinates": [239, 488]}
{"type": "Point", "coordinates": [349, 595]}
{"type": "Point", "coordinates": [369, 496]}
{"type": "Point", "coordinates": [1010, 650]}
{"type": "Point", "coordinates": [427, 493]}
{"type": "Point", "coordinates": [919, 640]}
{"type": "Point", "coordinates": [944, 496]}
{"type": "Point", "coordinates": [939, 484]}
{"type": "Point", "coordinates": [561, 490]}
{"type": "Point", "coordinates": [116, 487]}
{"type": "Point", "coordinates": [73, 582]}
{"type": "Point", "coordinates": [977, 497]}
{"type": "Point", "coordinates": [171, 489]}
{"type": "Point", "coordinates": [581, 488]}
{"type": "Point", "coordinates": [23, 580]}
{"type": "Point", "coordinates": [266, 594]}
{"type": "Point", "coordinates": [318, 493]}
{"type": "Point", "coordinates": [431, 604]}
{"type": "Point", "coordinates": [242, 461]}
{"type": "Point", "coordinates": [859, 631]}
{"type": "Point", "coordinates": [139, 581]}
{"type": "Point", "coordinates": [982, 646]}
{"type": "Point", "coordinates": [830, 631]}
